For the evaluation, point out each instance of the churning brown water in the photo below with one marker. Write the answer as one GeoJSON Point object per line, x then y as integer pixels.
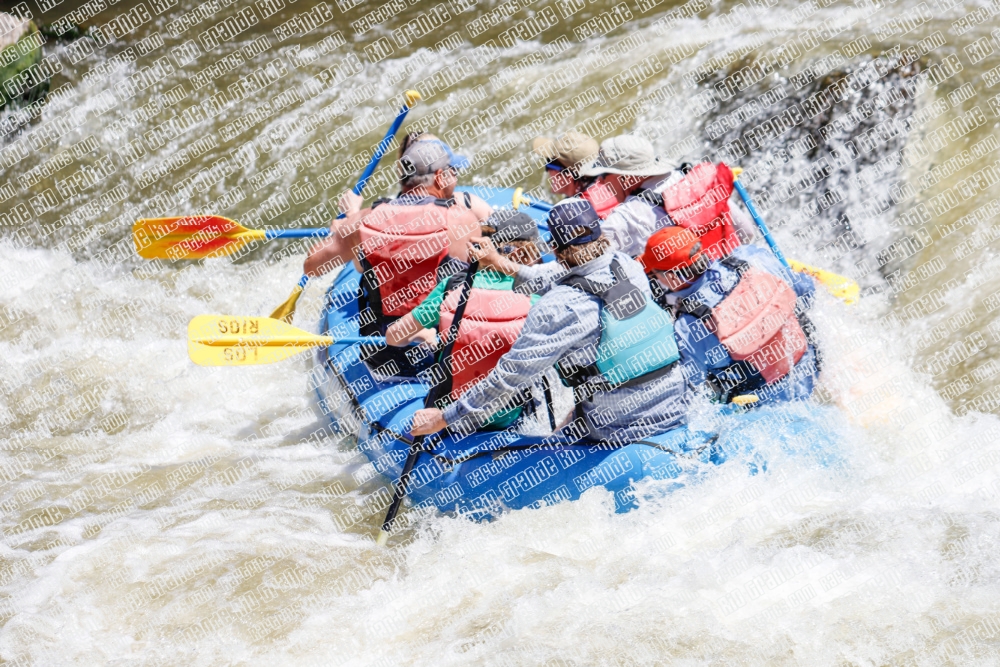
{"type": "Point", "coordinates": [155, 512]}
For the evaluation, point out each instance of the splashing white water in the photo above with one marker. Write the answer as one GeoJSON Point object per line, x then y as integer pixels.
{"type": "Point", "coordinates": [160, 513]}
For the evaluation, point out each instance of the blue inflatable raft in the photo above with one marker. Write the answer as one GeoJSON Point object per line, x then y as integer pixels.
{"type": "Point", "coordinates": [486, 473]}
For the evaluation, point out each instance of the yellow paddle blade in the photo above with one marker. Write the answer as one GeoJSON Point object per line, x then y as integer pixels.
{"type": "Point", "coordinates": [230, 340]}
{"type": "Point", "coordinates": [285, 311]}
{"type": "Point", "coordinates": [745, 400]}
{"type": "Point", "coordinates": [412, 97]}
{"type": "Point", "coordinates": [842, 287]}
{"type": "Point", "coordinates": [519, 199]}
{"type": "Point", "coordinates": [191, 237]}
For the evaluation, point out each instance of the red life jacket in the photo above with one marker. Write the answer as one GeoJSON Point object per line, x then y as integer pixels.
{"type": "Point", "coordinates": [756, 322]}
{"type": "Point", "coordinates": [601, 198]}
{"type": "Point", "coordinates": [404, 245]}
{"type": "Point", "coordinates": [700, 203]}
{"type": "Point", "coordinates": [492, 322]}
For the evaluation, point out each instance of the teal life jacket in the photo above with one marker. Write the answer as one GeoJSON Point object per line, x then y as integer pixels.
{"type": "Point", "coordinates": [637, 337]}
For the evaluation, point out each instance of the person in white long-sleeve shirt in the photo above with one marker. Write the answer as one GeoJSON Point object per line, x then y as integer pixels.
{"type": "Point", "coordinates": [628, 166]}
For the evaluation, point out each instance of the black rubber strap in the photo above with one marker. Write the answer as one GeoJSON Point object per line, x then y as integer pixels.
{"type": "Point", "coordinates": [735, 264]}
{"type": "Point", "coordinates": [692, 306]}
{"type": "Point", "coordinates": [368, 290]}
{"type": "Point", "coordinates": [547, 392]}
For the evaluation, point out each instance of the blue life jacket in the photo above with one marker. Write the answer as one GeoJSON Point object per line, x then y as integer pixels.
{"type": "Point", "coordinates": [712, 361]}
{"type": "Point", "coordinates": [637, 337]}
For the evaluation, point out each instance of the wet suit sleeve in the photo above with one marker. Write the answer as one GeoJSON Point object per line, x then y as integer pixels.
{"type": "Point", "coordinates": [428, 312]}
{"type": "Point", "coordinates": [557, 324]}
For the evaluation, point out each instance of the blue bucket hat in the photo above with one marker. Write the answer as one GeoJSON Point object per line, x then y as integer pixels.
{"type": "Point", "coordinates": [567, 216]}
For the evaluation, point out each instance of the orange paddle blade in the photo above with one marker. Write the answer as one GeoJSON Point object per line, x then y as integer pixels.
{"type": "Point", "coordinates": [191, 237]}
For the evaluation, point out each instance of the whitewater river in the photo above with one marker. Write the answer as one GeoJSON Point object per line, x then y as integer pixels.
{"type": "Point", "coordinates": [156, 512]}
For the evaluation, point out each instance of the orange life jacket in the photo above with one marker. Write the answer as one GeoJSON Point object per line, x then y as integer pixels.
{"type": "Point", "coordinates": [700, 203]}
{"type": "Point", "coordinates": [492, 322]}
{"type": "Point", "coordinates": [756, 322]}
{"type": "Point", "coordinates": [404, 245]}
{"type": "Point", "coordinates": [602, 198]}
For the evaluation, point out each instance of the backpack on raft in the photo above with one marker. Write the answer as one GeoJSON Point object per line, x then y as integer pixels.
{"type": "Point", "coordinates": [757, 325]}
{"type": "Point", "coordinates": [699, 202]}
{"type": "Point", "coordinates": [637, 338]}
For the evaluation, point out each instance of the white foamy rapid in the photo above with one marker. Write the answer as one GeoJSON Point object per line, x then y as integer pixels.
{"type": "Point", "coordinates": [159, 513]}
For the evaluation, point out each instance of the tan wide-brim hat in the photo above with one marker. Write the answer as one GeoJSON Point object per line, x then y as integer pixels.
{"type": "Point", "coordinates": [628, 155]}
{"type": "Point", "coordinates": [572, 150]}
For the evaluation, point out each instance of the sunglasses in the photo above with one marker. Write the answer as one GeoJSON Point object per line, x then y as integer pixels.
{"type": "Point", "coordinates": [552, 166]}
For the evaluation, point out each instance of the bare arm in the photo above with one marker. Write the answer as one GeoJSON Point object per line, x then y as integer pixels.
{"type": "Point", "coordinates": [405, 330]}
{"type": "Point", "coordinates": [339, 247]}
{"type": "Point", "coordinates": [480, 208]}
{"type": "Point", "coordinates": [536, 279]}
{"type": "Point", "coordinates": [482, 248]}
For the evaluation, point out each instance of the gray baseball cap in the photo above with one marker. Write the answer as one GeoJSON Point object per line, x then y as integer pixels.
{"type": "Point", "coordinates": [628, 155]}
{"type": "Point", "coordinates": [429, 156]}
{"type": "Point", "coordinates": [512, 226]}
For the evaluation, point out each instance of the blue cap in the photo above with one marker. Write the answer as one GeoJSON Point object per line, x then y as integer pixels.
{"type": "Point", "coordinates": [567, 217]}
{"type": "Point", "coordinates": [457, 161]}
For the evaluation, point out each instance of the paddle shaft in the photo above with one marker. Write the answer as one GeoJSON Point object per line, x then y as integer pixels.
{"type": "Point", "coordinates": [433, 394]}
{"type": "Point", "coordinates": [307, 233]}
{"type": "Point", "coordinates": [380, 151]}
{"type": "Point", "coordinates": [760, 224]}
{"type": "Point", "coordinates": [284, 341]}
{"type": "Point", "coordinates": [360, 185]}
{"type": "Point", "coordinates": [539, 205]}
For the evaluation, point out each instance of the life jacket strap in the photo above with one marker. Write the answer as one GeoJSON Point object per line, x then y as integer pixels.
{"type": "Point", "coordinates": [726, 389]}
{"type": "Point", "coordinates": [692, 306]}
{"type": "Point", "coordinates": [369, 296]}
{"type": "Point", "coordinates": [590, 381]}
{"type": "Point", "coordinates": [735, 264]}
{"type": "Point", "coordinates": [622, 299]}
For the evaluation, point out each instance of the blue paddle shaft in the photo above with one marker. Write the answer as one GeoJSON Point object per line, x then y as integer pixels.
{"type": "Point", "coordinates": [365, 175]}
{"type": "Point", "coordinates": [760, 224]}
{"type": "Point", "coordinates": [307, 233]}
{"type": "Point", "coordinates": [540, 205]}
{"type": "Point", "coordinates": [380, 150]}
{"type": "Point", "coordinates": [374, 340]}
